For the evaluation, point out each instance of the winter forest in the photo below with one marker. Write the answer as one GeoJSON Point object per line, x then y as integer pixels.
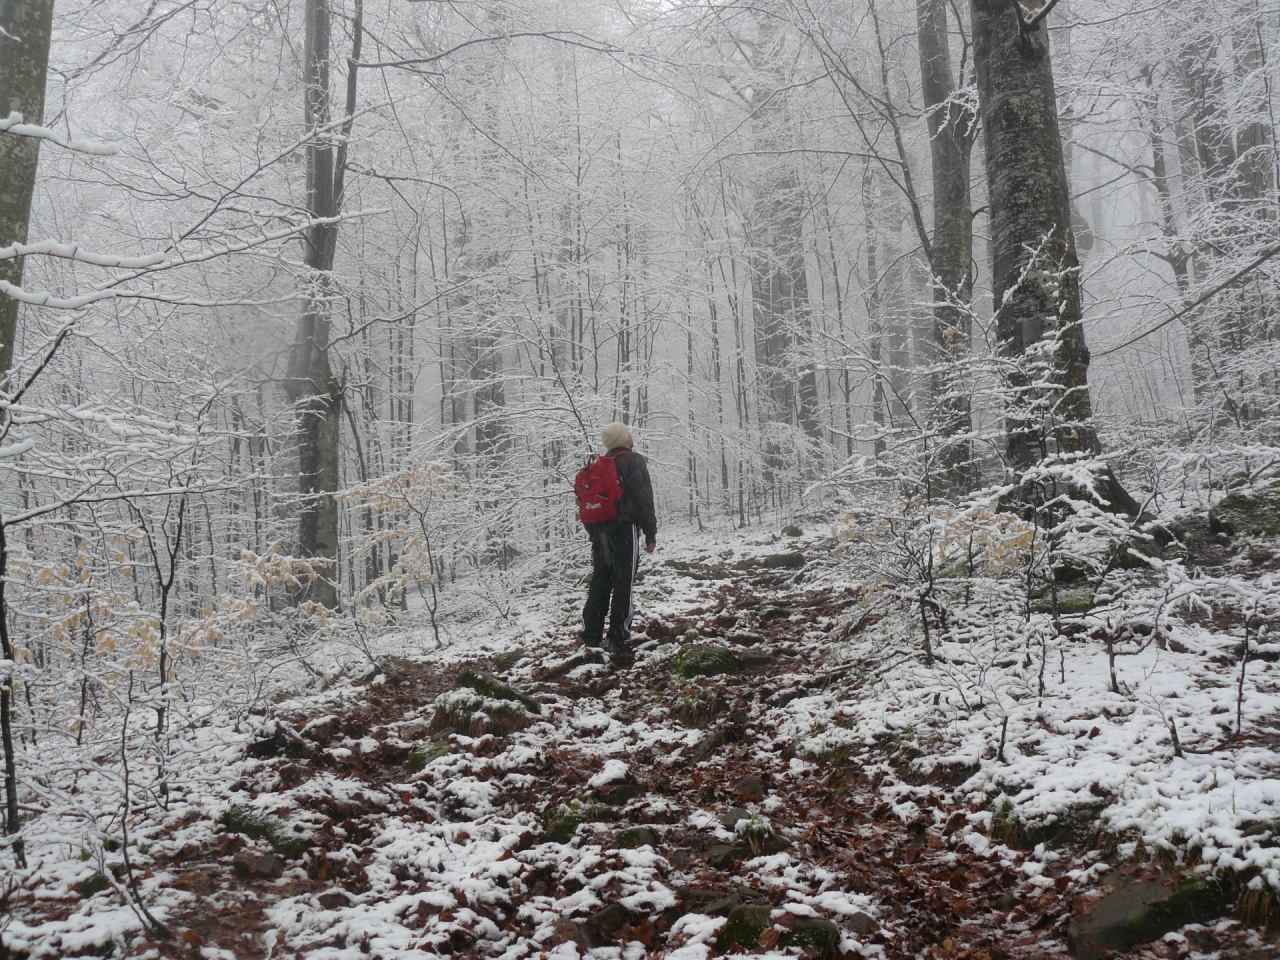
{"type": "Point", "coordinates": [947, 329]}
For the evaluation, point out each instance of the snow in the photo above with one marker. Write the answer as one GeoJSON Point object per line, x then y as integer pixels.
{"type": "Point", "coordinates": [611, 772]}
{"type": "Point", "coordinates": [1079, 744]}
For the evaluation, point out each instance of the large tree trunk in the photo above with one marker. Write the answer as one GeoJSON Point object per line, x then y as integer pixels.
{"type": "Point", "coordinates": [951, 251]}
{"type": "Point", "coordinates": [314, 390]}
{"type": "Point", "coordinates": [25, 29]}
{"type": "Point", "coordinates": [1048, 410]}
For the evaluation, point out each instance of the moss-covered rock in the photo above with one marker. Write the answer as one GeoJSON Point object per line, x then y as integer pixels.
{"type": "Point", "coordinates": [94, 883]}
{"type": "Point", "coordinates": [473, 715]}
{"type": "Point", "coordinates": [288, 843]}
{"type": "Point", "coordinates": [561, 829]}
{"type": "Point", "coordinates": [743, 928]}
{"type": "Point", "coordinates": [422, 755]}
{"type": "Point", "coordinates": [637, 837]}
{"type": "Point", "coordinates": [508, 659]}
{"type": "Point", "coordinates": [813, 935]}
{"type": "Point", "coordinates": [496, 690]}
{"type": "Point", "coordinates": [1071, 600]}
{"type": "Point", "coordinates": [1248, 511]}
{"type": "Point", "coordinates": [704, 660]}
{"type": "Point", "coordinates": [1143, 911]}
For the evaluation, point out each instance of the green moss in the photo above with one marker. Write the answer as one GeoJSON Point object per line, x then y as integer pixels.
{"type": "Point", "coordinates": [244, 821]}
{"type": "Point", "coordinates": [94, 883]}
{"type": "Point", "coordinates": [1070, 601]}
{"type": "Point", "coordinates": [637, 837]}
{"type": "Point", "coordinates": [812, 935]}
{"type": "Point", "coordinates": [1007, 826]}
{"type": "Point", "coordinates": [1248, 512]}
{"type": "Point", "coordinates": [697, 708]}
{"type": "Point", "coordinates": [1076, 827]}
{"type": "Point", "coordinates": [743, 928]}
{"type": "Point", "coordinates": [473, 715]}
{"type": "Point", "coordinates": [422, 755]}
{"type": "Point", "coordinates": [496, 690]}
{"type": "Point", "coordinates": [704, 660]}
{"type": "Point", "coordinates": [507, 660]}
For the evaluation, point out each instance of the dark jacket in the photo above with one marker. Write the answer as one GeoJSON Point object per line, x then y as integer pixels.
{"type": "Point", "coordinates": [636, 505]}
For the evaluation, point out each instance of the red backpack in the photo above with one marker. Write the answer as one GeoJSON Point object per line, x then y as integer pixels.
{"type": "Point", "coordinates": [598, 489]}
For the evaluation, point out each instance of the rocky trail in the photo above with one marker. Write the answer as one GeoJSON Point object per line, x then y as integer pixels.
{"type": "Point", "coordinates": [538, 803]}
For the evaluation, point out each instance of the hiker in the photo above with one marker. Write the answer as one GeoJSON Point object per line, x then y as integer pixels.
{"type": "Point", "coordinates": [615, 548]}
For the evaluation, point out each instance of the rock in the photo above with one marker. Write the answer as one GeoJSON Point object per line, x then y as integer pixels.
{"type": "Point", "coordinates": [722, 906]}
{"type": "Point", "coordinates": [414, 729]}
{"type": "Point", "coordinates": [678, 858]}
{"type": "Point", "coordinates": [1141, 912]}
{"type": "Point", "coordinates": [791, 530]}
{"type": "Point", "coordinates": [784, 561]}
{"type": "Point", "coordinates": [749, 790]}
{"type": "Point", "coordinates": [731, 819]}
{"type": "Point", "coordinates": [94, 883]}
{"type": "Point", "coordinates": [251, 863]}
{"type": "Point", "coordinates": [334, 899]}
{"type": "Point", "coordinates": [1248, 511]}
{"type": "Point", "coordinates": [609, 920]}
{"type": "Point", "coordinates": [861, 923]}
{"type": "Point", "coordinates": [561, 830]}
{"type": "Point", "coordinates": [420, 756]}
{"type": "Point", "coordinates": [277, 740]}
{"type": "Point", "coordinates": [720, 855]}
{"type": "Point", "coordinates": [320, 729]}
{"type": "Point", "coordinates": [496, 689]}
{"type": "Point", "coordinates": [813, 935]}
{"type": "Point", "coordinates": [696, 895]}
{"type": "Point", "coordinates": [704, 660]}
{"type": "Point", "coordinates": [289, 844]}
{"type": "Point", "coordinates": [637, 837]}
{"type": "Point", "coordinates": [395, 750]}
{"type": "Point", "coordinates": [508, 659]}
{"type": "Point", "coordinates": [620, 794]}
{"type": "Point", "coordinates": [706, 745]}
{"type": "Point", "coordinates": [743, 928]}
{"type": "Point", "coordinates": [584, 935]}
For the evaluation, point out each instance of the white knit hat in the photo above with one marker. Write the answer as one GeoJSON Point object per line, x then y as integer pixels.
{"type": "Point", "coordinates": [615, 434]}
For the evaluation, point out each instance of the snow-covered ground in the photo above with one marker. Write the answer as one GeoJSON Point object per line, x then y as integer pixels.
{"type": "Point", "coordinates": [452, 858]}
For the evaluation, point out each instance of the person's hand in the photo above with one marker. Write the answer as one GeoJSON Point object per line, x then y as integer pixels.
{"type": "Point", "coordinates": [648, 547]}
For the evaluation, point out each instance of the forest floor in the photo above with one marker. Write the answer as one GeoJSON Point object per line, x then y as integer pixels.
{"type": "Point", "coordinates": [738, 789]}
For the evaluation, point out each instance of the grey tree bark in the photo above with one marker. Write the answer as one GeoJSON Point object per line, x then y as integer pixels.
{"type": "Point", "coordinates": [951, 130]}
{"type": "Point", "coordinates": [1035, 271]}
{"type": "Point", "coordinates": [26, 27]}
{"type": "Point", "coordinates": [314, 390]}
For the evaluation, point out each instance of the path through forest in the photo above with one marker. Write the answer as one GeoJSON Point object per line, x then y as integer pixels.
{"type": "Point", "coordinates": [657, 809]}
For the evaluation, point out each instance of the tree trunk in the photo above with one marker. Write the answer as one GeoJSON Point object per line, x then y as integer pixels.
{"type": "Point", "coordinates": [25, 29]}
{"type": "Point", "coordinates": [1035, 273]}
{"type": "Point", "coordinates": [951, 251]}
{"type": "Point", "coordinates": [313, 389]}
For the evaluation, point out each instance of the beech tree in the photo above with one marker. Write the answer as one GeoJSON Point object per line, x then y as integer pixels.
{"type": "Point", "coordinates": [1035, 270]}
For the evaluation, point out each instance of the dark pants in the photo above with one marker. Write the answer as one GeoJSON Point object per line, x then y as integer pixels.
{"type": "Point", "coordinates": [615, 556]}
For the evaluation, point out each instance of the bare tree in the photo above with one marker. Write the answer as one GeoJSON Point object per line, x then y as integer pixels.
{"type": "Point", "coordinates": [1035, 273]}
{"type": "Point", "coordinates": [317, 394]}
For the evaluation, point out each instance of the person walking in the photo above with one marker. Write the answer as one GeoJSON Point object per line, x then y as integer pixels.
{"type": "Point", "coordinates": [615, 549]}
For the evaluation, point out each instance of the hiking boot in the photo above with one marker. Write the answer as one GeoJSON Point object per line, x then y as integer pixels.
{"type": "Point", "coordinates": [620, 654]}
{"type": "Point", "coordinates": [591, 643]}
